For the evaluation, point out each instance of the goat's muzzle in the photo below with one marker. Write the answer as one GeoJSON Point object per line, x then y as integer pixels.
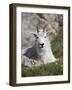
{"type": "Point", "coordinates": [41, 45]}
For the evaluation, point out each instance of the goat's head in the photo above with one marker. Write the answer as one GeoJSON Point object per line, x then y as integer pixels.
{"type": "Point", "coordinates": [41, 37]}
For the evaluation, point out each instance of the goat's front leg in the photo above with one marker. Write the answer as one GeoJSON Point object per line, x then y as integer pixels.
{"type": "Point", "coordinates": [33, 61]}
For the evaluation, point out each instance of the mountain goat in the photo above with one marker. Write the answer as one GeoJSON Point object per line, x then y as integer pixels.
{"type": "Point", "coordinates": [40, 52]}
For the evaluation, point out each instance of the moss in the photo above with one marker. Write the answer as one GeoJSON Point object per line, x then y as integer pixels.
{"type": "Point", "coordinates": [55, 68]}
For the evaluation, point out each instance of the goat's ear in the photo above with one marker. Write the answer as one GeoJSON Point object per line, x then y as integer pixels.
{"type": "Point", "coordinates": [35, 35]}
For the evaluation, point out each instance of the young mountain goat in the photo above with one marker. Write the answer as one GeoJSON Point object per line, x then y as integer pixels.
{"type": "Point", "coordinates": [41, 50]}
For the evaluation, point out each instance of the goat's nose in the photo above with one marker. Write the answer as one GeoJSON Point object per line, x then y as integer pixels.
{"type": "Point", "coordinates": [42, 44]}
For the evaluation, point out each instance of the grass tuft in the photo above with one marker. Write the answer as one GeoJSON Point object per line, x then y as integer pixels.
{"type": "Point", "coordinates": [55, 68]}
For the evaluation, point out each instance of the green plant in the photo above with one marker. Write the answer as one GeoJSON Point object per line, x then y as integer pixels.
{"type": "Point", "coordinates": [55, 68]}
